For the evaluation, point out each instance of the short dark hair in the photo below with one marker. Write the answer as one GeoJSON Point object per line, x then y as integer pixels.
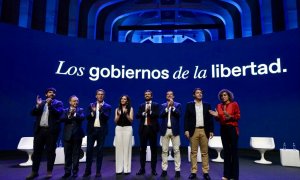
{"type": "Point", "coordinates": [72, 97]}
{"type": "Point", "coordinates": [196, 89]}
{"type": "Point", "coordinates": [148, 90]}
{"type": "Point", "coordinates": [102, 90]}
{"type": "Point", "coordinates": [170, 91]}
{"type": "Point", "coordinates": [229, 93]}
{"type": "Point", "coordinates": [50, 89]}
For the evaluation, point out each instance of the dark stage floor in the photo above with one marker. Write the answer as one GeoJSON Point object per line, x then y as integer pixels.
{"type": "Point", "coordinates": [9, 168]}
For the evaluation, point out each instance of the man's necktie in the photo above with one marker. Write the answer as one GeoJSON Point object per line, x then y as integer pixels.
{"type": "Point", "coordinates": [148, 114]}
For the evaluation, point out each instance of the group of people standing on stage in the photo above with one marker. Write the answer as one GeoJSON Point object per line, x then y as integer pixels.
{"type": "Point", "coordinates": [198, 128]}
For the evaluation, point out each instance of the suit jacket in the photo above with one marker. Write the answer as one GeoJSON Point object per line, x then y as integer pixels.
{"type": "Point", "coordinates": [73, 124]}
{"type": "Point", "coordinates": [55, 111]}
{"type": "Point", "coordinates": [175, 118]}
{"type": "Point", "coordinates": [190, 118]}
{"type": "Point", "coordinates": [153, 116]}
{"type": "Point", "coordinates": [104, 117]}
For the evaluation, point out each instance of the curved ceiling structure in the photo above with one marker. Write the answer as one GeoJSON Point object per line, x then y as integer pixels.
{"type": "Point", "coordinates": [138, 21]}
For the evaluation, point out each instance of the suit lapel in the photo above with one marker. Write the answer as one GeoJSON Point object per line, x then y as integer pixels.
{"type": "Point", "coordinates": [193, 108]}
{"type": "Point", "coordinates": [143, 106]}
{"type": "Point", "coordinates": [204, 108]}
{"type": "Point", "coordinates": [95, 104]}
{"type": "Point", "coordinates": [164, 105]}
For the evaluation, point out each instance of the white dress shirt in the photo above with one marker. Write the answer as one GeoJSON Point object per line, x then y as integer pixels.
{"type": "Point", "coordinates": [45, 115]}
{"type": "Point", "coordinates": [97, 119]}
{"type": "Point", "coordinates": [148, 104]}
{"type": "Point", "coordinates": [199, 115]}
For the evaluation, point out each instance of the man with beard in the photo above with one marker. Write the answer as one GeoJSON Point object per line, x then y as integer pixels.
{"type": "Point", "coordinates": [46, 131]}
{"type": "Point", "coordinates": [148, 114]}
{"type": "Point", "coordinates": [169, 129]}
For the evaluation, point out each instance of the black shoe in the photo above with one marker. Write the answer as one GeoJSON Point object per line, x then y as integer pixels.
{"type": "Point", "coordinates": [154, 173]}
{"type": "Point", "coordinates": [192, 176]}
{"type": "Point", "coordinates": [163, 174]}
{"type": "Point", "coordinates": [118, 174]}
{"type": "Point", "coordinates": [127, 173]}
{"type": "Point", "coordinates": [32, 175]}
{"type": "Point", "coordinates": [75, 175]}
{"type": "Point", "coordinates": [86, 174]}
{"type": "Point", "coordinates": [98, 174]}
{"type": "Point", "coordinates": [177, 174]}
{"type": "Point", "coordinates": [66, 175]}
{"type": "Point", "coordinates": [141, 172]}
{"type": "Point", "coordinates": [206, 176]}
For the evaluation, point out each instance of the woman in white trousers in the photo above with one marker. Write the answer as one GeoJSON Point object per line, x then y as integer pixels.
{"type": "Point", "coordinates": [123, 135]}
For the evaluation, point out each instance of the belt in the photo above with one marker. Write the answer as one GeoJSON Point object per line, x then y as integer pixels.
{"type": "Point", "coordinates": [200, 127]}
{"type": "Point", "coordinates": [44, 127]}
{"type": "Point", "coordinates": [124, 125]}
{"type": "Point", "coordinates": [169, 127]}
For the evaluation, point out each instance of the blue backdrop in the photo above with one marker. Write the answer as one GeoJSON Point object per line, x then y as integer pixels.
{"type": "Point", "coordinates": [263, 72]}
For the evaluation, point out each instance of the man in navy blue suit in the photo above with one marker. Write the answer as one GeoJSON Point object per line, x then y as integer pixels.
{"type": "Point", "coordinates": [97, 128]}
{"type": "Point", "coordinates": [148, 114]}
{"type": "Point", "coordinates": [73, 134]}
{"type": "Point", "coordinates": [46, 131]}
{"type": "Point", "coordinates": [170, 119]}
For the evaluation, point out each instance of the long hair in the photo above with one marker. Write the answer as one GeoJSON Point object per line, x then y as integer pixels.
{"type": "Point", "coordinates": [128, 103]}
{"type": "Point", "coordinates": [229, 93]}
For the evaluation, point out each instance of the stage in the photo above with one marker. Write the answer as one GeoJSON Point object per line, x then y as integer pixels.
{"type": "Point", "coordinates": [249, 170]}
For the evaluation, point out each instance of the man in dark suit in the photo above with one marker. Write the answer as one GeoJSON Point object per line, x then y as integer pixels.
{"type": "Point", "coordinates": [170, 119]}
{"type": "Point", "coordinates": [97, 128]}
{"type": "Point", "coordinates": [148, 114]}
{"type": "Point", "coordinates": [199, 127]}
{"type": "Point", "coordinates": [46, 131]}
{"type": "Point", "coordinates": [73, 134]}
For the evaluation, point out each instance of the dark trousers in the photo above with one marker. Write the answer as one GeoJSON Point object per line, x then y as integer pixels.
{"type": "Point", "coordinates": [148, 134]}
{"type": "Point", "coordinates": [98, 135]}
{"type": "Point", "coordinates": [72, 153]}
{"type": "Point", "coordinates": [47, 139]}
{"type": "Point", "coordinates": [230, 148]}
